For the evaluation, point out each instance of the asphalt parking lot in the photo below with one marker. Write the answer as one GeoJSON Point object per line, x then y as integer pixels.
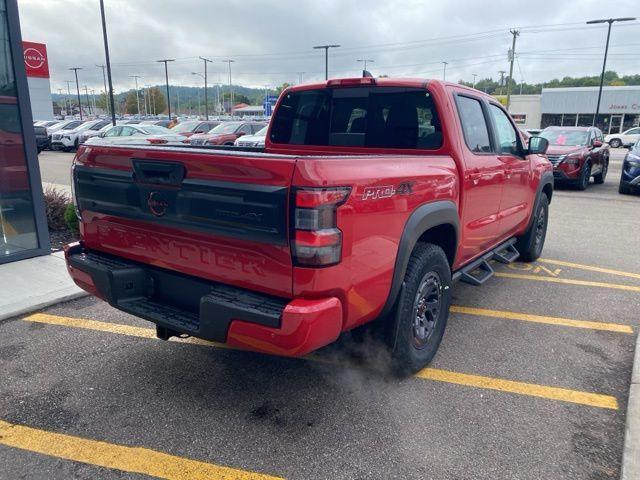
{"type": "Point", "coordinates": [530, 382]}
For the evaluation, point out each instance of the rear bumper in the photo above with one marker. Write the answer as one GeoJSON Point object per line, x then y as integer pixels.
{"type": "Point", "coordinates": [179, 304]}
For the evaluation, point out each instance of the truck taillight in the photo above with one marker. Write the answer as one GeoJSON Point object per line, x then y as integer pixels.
{"type": "Point", "coordinates": [316, 238]}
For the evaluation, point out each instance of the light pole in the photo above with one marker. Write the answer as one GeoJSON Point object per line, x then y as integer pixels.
{"type": "Point", "coordinates": [75, 70]}
{"type": "Point", "coordinates": [199, 108]}
{"type": "Point", "coordinates": [136, 77]}
{"type": "Point", "coordinates": [326, 57]}
{"type": "Point", "coordinates": [365, 60]}
{"type": "Point", "coordinates": [108, 62]}
{"type": "Point", "coordinates": [206, 98]}
{"type": "Point", "coordinates": [300, 77]}
{"type": "Point", "coordinates": [501, 72]}
{"type": "Point", "coordinates": [444, 70]}
{"type": "Point", "coordinates": [69, 107]}
{"type": "Point", "coordinates": [229, 62]}
{"type": "Point", "coordinates": [104, 79]}
{"type": "Point", "coordinates": [166, 77]}
{"type": "Point", "coordinates": [474, 79]}
{"type": "Point", "coordinates": [610, 21]}
{"type": "Point", "coordinates": [86, 95]}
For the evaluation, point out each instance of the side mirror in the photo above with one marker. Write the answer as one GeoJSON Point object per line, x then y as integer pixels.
{"type": "Point", "coordinates": [597, 143]}
{"type": "Point", "coordinates": [241, 133]}
{"type": "Point", "coordinates": [537, 146]}
{"type": "Point", "coordinates": [102, 134]}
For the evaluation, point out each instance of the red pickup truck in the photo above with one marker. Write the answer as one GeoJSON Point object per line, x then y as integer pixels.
{"type": "Point", "coordinates": [369, 200]}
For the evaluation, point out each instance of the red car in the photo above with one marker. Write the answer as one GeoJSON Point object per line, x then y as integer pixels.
{"type": "Point", "coordinates": [371, 199]}
{"type": "Point", "coordinates": [577, 154]}
{"type": "Point", "coordinates": [226, 133]}
{"type": "Point", "coordinates": [192, 127]}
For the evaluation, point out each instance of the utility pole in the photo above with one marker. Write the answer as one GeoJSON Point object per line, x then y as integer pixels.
{"type": "Point", "coordinates": [444, 70]}
{"type": "Point", "coordinates": [229, 62]}
{"type": "Point", "coordinates": [136, 77]}
{"type": "Point", "coordinates": [326, 57]}
{"type": "Point", "coordinates": [86, 96]}
{"type": "Point", "coordinates": [199, 108]}
{"type": "Point", "coordinates": [93, 101]}
{"type": "Point", "coordinates": [512, 57]}
{"type": "Point", "coordinates": [108, 62]}
{"type": "Point", "coordinates": [610, 21]}
{"type": "Point", "coordinates": [206, 98]}
{"type": "Point", "coordinates": [75, 70]}
{"type": "Point", "coordinates": [501, 72]}
{"type": "Point", "coordinates": [104, 79]}
{"type": "Point", "coordinates": [365, 60]}
{"type": "Point", "coordinates": [166, 77]}
{"type": "Point", "coordinates": [69, 109]}
{"type": "Point", "coordinates": [300, 77]}
{"type": "Point", "coordinates": [474, 79]}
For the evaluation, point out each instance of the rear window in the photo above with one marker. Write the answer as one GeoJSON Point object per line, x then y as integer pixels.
{"type": "Point", "coordinates": [383, 117]}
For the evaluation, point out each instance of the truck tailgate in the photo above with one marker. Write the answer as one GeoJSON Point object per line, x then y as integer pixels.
{"type": "Point", "coordinates": [217, 215]}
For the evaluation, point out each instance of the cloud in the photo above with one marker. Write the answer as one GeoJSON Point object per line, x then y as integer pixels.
{"type": "Point", "coordinates": [271, 42]}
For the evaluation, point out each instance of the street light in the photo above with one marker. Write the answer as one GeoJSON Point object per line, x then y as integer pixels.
{"type": "Point", "coordinates": [136, 77]}
{"type": "Point", "coordinates": [166, 76]}
{"type": "Point", "coordinates": [326, 57]}
{"type": "Point", "coordinates": [108, 62]}
{"type": "Point", "coordinates": [444, 70]}
{"type": "Point", "coordinates": [474, 79]}
{"type": "Point", "coordinates": [206, 98]}
{"type": "Point", "coordinates": [199, 107]}
{"type": "Point", "coordinates": [365, 60]}
{"type": "Point", "coordinates": [610, 21]}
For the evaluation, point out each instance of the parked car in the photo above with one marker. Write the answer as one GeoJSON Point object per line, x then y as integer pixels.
{"type": "Point", "coordinates": [161, 123]}
{"type": "Point", "coordinates": [191, 127]}
{"type": "Point", "coordinates": [577, 154]}
{"type": "Point", "coordinates": [87, 134]}
{"type": "Point", "coordinates": [46, 123]}
{"type": "Point", "coordinates": [226, 133]}
{"type": "Point", "coordinates": [68, 139]}
{"type": "Point", "coordinates": [63, 125]}
{"type": "Point", "coordinates": [42, 139]}
{"type": "Point", "coordinates": [367, 203]}
{"type": "Point", "coordinates": [136, 134]}
{"type": "Point", "coordinates": [256, 140]}
{"type": "Point", "coordinates": [630, 178]}
{"type": "Point", "coordinates": [624, 139]}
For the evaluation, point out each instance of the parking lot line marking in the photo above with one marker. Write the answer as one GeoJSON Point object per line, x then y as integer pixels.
{"type": "Point", "coordinates": [526, 317]}
{"type": "Point", "coordinates": [553, 393]}
{"type": "Point", "coordinates": [590, 268]}
{"type": "Point", "coordinates": [117, 457]}
{"type": "Point", "coordinates": [568, 281]}
{"type": "Point", "coordinates": [520, 388]}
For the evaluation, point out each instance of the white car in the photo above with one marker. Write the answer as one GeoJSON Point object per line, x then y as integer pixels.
{"type": "Point", "coordinates": [136, 135]}
{"type": "Point", "coordinates": [69, 138]}
{"type": "Point", "coordinates": [255, 140]}
{"type": "Point", "coordinates": [87, 134]}
{"type": "Point", "coordinates": [624, 139]}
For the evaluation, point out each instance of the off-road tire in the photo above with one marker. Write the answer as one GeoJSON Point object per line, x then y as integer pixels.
{"type": "Point", "coordinates": [530, 244]}
{"type": "Point", "coordinates": [428, 263]}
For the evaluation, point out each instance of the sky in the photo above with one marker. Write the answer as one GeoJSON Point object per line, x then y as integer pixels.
{"type": "Point", "coordinates": [271, 41]}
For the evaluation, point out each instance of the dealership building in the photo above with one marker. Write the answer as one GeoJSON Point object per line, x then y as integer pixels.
{"type": "Point", "coordinates": [36, 66]}
{"type": "Point", "coordinates": [576, 106]}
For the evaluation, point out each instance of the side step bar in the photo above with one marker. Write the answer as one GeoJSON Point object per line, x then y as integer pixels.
{"type": "Point", "coordinates": [480, 270]}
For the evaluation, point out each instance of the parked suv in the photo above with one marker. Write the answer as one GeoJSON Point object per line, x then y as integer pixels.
{"type": "Point", "coordinates": [191, 127]}
{"type": "Point", "coordinates": [226, 133]}
{"type": "Point", "coordinates": [630, 178]}
{"type": "Point", "coordinates": [577, 154]}
{"type": "Point", "coordinates": [624, 139]}
{"type": "Point", "coordinates": [371, 199]}
{"type": "Point", "coordinates": [68, 139]}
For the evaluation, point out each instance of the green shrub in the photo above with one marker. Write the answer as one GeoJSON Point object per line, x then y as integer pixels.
{"type": "Point", "coordinates": [71, 219]}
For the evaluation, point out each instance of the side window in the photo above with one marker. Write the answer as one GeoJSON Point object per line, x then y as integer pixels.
{"type": "Point", "coordinates": [634, 131]}
{"type": "Point", "coordinates": [599, 135]}
{"type": "Point", "coordinates": [246, 128]}
{"type": "Point", "coordinates": [474, 125]}
{"type": "Point", "coordinates": [128, 131]}
{"type": "Point", "coordinates": [507, 135]}
{"type": "Point", "coordinates": [113, 132]}
{"type": "Point", "coordinates": [256, 127]}
{"type": "Point", "coordinates": [592, 137]}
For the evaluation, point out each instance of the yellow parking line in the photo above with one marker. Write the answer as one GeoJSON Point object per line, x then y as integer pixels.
{"type": "Point", "coordinates": [568, 281]}
{"type": "Point", "coordinates": [520, 388]}
{"type": "Point", "coordinates": [525, 317]}
{"type": "Point", "coordinates": [117, 457]}
{"type": "Point", "coordinates": [552, 393]}
{"type": "Point", "coordinates": [590, 268]}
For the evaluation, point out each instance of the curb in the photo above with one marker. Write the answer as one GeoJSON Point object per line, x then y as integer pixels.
{"type": "Point", "coordinates": [39, 305]}
{"type": "Point", "coordinates": [631, 451]}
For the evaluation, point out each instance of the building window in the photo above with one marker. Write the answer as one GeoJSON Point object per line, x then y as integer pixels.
{"type": "Point", "coordinates": [17, 220]}
{"type": "Point", "coordinates": [550, 120]}
{"type": "Point", "coordinates": [585, 120]}
{"type": "Point", "coordinates": [569, 120]}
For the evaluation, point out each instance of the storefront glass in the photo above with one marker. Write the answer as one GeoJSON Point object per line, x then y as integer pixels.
{"type": "Point", "coordinates": [17, 221]}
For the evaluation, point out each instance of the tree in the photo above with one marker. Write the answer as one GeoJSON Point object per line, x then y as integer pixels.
{"type": "Point", "coordinates": [131, 103]}
{"type": "Point", "coordinates": [157, 101]}
{"type": "Point", "coordinates": [282, 87]}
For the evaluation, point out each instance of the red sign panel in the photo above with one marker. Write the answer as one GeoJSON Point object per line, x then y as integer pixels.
{"type": "Point", "coordinates": [35, 59]}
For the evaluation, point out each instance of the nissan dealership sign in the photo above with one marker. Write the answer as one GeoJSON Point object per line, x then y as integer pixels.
{"type": "Point", "coordinates": [35, 59]}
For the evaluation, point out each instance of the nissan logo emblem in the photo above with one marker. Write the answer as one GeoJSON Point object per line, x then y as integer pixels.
{"type": "Point", "coordinates": [157, 204]}
{"type": "Point", "coordinates": [33, 58]}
